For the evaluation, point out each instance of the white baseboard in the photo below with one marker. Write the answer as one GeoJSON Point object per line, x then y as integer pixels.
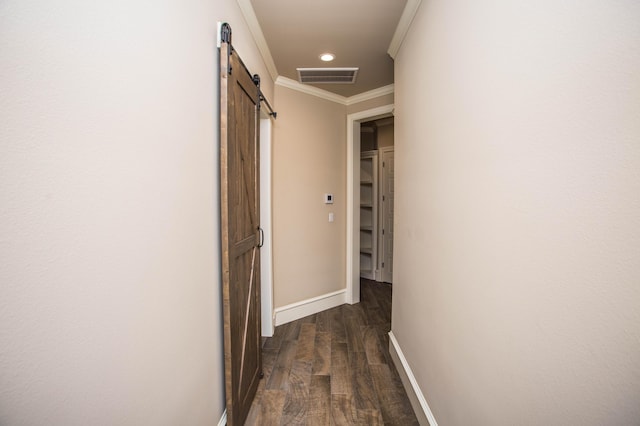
{"type": "Point", "coordinates": [223, 419]}
{"type": "Point", "coordinates": [311, 306]}
{"type": "Point", "coordinates": [418, 401]}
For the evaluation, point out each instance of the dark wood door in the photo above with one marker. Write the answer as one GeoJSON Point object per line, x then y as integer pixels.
{"type": "Point", "coordinates": [240, 233]}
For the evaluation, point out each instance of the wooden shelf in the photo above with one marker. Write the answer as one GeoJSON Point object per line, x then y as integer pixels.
{"type": "Point", "coordinates": [368, 213]}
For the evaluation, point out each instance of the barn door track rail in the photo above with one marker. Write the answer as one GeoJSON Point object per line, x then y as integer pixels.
{"type": "Point", "coordinates": [225, 37]}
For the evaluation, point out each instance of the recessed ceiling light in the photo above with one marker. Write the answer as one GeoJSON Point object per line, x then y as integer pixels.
{"type": "Point", "coordinates": [327, 57]}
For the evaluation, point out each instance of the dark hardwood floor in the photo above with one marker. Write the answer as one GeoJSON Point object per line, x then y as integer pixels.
{"type": "Point", "coordinates": [334, 368]}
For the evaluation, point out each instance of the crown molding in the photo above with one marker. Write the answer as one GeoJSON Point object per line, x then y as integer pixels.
{"type": "Point", "coordinates": [329, 96]}
{"type": "Point", "coordinates": [371, 94]}
{"type": "Point", "coordinates": [410, 10]}
{"type": "Point", "coordinates": [254, 26]}
{"type": "Point", "coordinates": [310, 90]}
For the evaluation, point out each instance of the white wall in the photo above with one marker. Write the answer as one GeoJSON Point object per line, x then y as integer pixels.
{"type": "Point", "coordinates": [109, 258]}
{"type": "Point", "coordinates": [516, 275]}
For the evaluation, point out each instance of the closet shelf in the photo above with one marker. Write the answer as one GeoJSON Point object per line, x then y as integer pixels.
{"type": "Point", "coordinates": [368, 213]}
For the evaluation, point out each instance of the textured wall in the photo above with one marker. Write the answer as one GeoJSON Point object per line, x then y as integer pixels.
{"type": "Point", "coordinates": [516, 275]}
{"type": "Point", "coordinates": [109, 258]}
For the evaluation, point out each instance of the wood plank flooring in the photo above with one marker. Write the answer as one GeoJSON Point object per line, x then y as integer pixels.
{"type": "Point", "coordinates": [334, 368]}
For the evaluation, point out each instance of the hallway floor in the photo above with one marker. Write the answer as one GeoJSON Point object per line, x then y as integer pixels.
{"type": "Point", "coordinates": [334, 368]}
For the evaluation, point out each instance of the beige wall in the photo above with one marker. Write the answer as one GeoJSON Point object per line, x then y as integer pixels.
{"type": "Point", "coordinates": [368, 139]}
{"type": "Point", "coordinates": [110, 299]}
{"type": "Point", "coordinates": [370, 104]}
{"type": "Point", "coordinates": [309, 160]}
{"type": "Point", "coordinates": [385, 135]}
{"type": "Point", "coordinates": [518, 211]}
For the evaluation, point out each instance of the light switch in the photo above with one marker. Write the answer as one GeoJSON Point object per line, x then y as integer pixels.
{"type": "Point", "coordinates": [328, 198]}
{"type": "Point", "coordinates": [330, 217]}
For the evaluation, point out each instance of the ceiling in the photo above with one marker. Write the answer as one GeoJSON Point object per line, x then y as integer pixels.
{"type": "Point", "coordinates": [357, 32]}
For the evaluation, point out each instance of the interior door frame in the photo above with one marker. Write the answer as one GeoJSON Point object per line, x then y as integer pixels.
{"type": "Point", "coordinates": [353, 195]}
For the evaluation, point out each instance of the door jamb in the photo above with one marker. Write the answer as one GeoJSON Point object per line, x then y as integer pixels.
{"type": "Point", "coordinates": [381, 258]}
{"type": "Point", "coordinates": [266, 252]}
{"type": "Point", "coordinates": [353, 196]}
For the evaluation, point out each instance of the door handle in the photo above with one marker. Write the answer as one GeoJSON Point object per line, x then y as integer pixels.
{"type": "Point", "coordinates": [261, 238]}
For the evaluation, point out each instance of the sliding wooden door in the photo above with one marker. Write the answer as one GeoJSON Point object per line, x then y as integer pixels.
{"type": "Point", "coordinates": [240, 232]}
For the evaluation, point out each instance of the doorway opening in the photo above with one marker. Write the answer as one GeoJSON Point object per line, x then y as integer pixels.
{"type": "Point", "coordinates": [354, 122]}
{"type": "Point", "coordinates": [377, 199]}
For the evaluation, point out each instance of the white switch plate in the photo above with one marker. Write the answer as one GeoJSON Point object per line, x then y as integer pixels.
{"type": "Point", "coordinates": [330, 217]}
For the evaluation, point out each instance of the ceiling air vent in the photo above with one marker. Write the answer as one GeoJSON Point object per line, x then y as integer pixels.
{"type": "Point", "coordinates": [327, 75]}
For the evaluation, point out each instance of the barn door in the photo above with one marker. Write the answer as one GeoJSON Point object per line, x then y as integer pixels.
{"type": "Point", "coordinates": [240, 230]}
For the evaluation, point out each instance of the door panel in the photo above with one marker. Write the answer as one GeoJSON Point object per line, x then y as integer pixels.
{"type": "Point", "coordinates": [239, 179]}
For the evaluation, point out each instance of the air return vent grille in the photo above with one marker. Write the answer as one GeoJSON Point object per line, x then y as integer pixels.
{"type": "Point", "coordinates": [327, 75]}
